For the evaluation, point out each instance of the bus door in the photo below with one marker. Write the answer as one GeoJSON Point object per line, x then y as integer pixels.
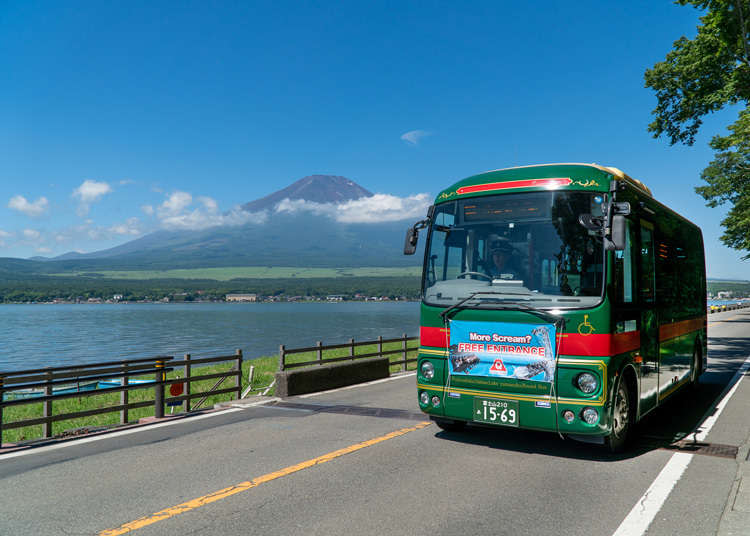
{"type": "Point", "coordinates": [649, 322]}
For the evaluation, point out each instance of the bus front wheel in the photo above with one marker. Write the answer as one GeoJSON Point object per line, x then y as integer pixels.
{"type": "Point", "coordinates": [449, 425]}
{"type": "Point", "coordinates": [622, 419]}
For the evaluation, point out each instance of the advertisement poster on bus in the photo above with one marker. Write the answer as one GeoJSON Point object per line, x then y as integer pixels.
{"type": "Point", "coordinates": [502, 350]}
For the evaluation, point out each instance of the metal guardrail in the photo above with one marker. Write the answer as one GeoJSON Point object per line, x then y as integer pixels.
{"type": "Point", "coordinates": [319, 348]}
{"type": "Point", "coordinates": [726, 307]}
{"type": "Point", "coordinates": [36, 386]}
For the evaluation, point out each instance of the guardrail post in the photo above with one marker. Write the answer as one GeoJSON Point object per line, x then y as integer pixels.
{"type": "Point", "coordinates": [380, 346]}
{"type": "Point", "coordinates": [48, 406]}
{"type": "Point", "coordinates": [403, 347]}
{"type": "Point", "coordinates": [351, 349]}
{"type": "Point", "coordinates": [281, 358]}
{"type": "Point", "coordinates": [320, 352]}
{"type": "Point", "coordinates": [187, 382]}
{"type": "Point", "coordinates": [159, 390]}
{"type": "Point", "coordinates": [238, 378]}
{"type": "Point", "coordinates": [2, 398]}
{"type": "Point", "coordinates": [124, 398]}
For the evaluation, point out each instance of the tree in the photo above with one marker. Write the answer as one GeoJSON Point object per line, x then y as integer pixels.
{"type": "Point", "coordinates": [703, 75]}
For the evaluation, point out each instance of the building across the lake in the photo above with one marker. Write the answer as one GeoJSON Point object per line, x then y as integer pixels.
{"type": "Point", "coordinates": [242, 297]}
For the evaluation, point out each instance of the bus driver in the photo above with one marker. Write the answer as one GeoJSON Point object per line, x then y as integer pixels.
{"type": "Point", "coordinates": [504, 264]}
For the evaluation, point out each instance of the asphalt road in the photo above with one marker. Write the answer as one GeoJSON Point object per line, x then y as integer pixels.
{"type": "Point", "coordinates": [331, 464]}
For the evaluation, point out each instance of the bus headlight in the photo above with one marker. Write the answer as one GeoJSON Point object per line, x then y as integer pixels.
{"type": "Point", "coordinates": [424, 398]}
{"type": "Point", "coordinates": [435, 401]}
{"type": "Point", "coordinates": [590, 415]}
{"type": "Point", "coordinates": [587, 383]}
{"type": "Point", "coordinates": [428, 370]}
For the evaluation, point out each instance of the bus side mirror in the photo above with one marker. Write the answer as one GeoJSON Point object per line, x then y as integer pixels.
{"type": "Point", "coordinates": [618, 232]}
{"type": "Point", "coordinates": [410, 244]}
{"type": "Point", "coordinates": [412, 233]}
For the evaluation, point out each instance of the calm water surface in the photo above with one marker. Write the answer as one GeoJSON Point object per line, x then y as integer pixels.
{"type": "Point", "coordinates": [52, 335]}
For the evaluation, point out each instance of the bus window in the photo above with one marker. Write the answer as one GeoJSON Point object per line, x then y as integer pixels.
{"type": "Point", "coordinates": [625, 281]}
{"type": "Point", "coordinates": [647, 262]}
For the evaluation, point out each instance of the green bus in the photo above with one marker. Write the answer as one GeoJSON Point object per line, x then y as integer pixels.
{"type": "Point", "coordinates": [557, 297]}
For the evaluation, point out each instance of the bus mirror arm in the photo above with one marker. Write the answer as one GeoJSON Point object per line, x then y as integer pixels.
{"type": "Point", "coordinates": [614, 237]}
{"type": "Point", "coordinates": [412, 233]}
{"type": "Point", "coordinates": [412, 236]}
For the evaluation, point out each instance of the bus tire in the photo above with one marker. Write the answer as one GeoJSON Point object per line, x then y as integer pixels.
{"type": "Point", "coordinates": [449, 425]}
{"type": "Point", "coordinates": [695, 370]}
{"type": "Point", "coordinates": [623, 423]}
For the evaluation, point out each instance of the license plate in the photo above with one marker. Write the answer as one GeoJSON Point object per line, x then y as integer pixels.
{"type": "Point", "coordinates": [496, 411]}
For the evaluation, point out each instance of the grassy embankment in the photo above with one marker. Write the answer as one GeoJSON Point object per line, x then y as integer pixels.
{"type": "Point", "coordinates": [265, 367]}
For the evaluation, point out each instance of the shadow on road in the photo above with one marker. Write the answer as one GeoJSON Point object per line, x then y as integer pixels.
{"type": "Point", "coordinates": [673, 421]}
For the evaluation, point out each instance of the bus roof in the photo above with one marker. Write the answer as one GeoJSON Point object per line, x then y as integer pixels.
{"type": "Point", "coordinates": [574, 176]}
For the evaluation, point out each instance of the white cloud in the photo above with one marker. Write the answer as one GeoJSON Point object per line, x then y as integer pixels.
{"type": "Point", "coordinates": [177, 212]}
{"type": "Point", "coordinates": [89, 192]}
{"type": "Point", "coordinates": [374, 209]}
{"type": "Point", "coordinates": [148, 210]}
{"type": "Point", "coordinates": [175, 204]}
{"type": "Point", "coordinates": [125, 182]}
{"type": "Point", "coordinates": [43, 249]}
{"type": "Point", "coordinates": [413, 136]}
{"type": "Point", "coordinates": [21, 204]}
{"type": "Point", "coordinates": [130, 228]}
{"type": "Point", "coordinates": [31, 234]}
{"type": "Point", "coordinates": [210, 204]}
{"type": "Point", "coordinates": [3, 236]}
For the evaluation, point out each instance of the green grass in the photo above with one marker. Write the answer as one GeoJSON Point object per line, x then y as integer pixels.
{"type": "Point", "coordinates": [263, 375]}
{"type": "Point", "coordinates": [251, 272]}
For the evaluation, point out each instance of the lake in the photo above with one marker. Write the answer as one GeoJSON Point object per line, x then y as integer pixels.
{"type": "Point", "coordinates": [42, 335]}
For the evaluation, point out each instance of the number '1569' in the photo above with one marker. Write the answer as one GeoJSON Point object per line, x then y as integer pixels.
{"type": "Point", "coordinates": [492, 413]}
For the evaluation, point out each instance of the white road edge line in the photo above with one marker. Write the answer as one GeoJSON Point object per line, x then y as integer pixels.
{"type": "Point", "coordinates": [232, 409]}
{"type": "Point", "coordinates": [636, 523]}
{"type": "Point", "coordinates": [81, 441]}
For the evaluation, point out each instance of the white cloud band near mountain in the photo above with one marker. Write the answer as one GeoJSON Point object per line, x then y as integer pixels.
{"type": "Point", "coordinates": [375, 209]}
{"type": "Point", "coordinates": [178, 212]}
{"type": "Point", "coordinates": [23, 205]}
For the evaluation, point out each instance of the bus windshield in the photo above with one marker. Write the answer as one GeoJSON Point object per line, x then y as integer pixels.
{"type": "Point", "coordinates": [525, 247]}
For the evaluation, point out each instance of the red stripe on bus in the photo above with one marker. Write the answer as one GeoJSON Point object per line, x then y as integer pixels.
{"type": "Point", "coordinates": [600, 345]}
{"type": "Point", "coordinates": [594, 345]}
{"type": "Point", "coordinates": [435, 337]}
{"type": "Point", "coordinates": [625, 342]}
{"type": "Point", "coordinates": [528, 183]}
{"type": "Point", "coordinates": [589, 345]}
{"type": "Point", "coordinates": [670, 331]}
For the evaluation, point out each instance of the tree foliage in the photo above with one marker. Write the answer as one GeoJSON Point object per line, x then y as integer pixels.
{"type": "Point", "coordinates": [703, 75]}
{"type": "Point", "coordinates": [728, 181]}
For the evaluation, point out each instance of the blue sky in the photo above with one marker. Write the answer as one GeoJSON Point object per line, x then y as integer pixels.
{"type": "Point", "coordinates": [120, 118]}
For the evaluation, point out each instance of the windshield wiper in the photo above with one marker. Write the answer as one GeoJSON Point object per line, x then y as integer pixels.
{"type": "Point", "coordinates": [460, 303]}
{"type": "Point", "coordinates": [475, 294]}
{"type": "Point", "coordinates": [509, 304]}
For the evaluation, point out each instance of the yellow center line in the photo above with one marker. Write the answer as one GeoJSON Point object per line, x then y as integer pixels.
{"type": "Point", "coordinates": [725, 320]}
{"type": "Point", "coordinates": [255, 482]}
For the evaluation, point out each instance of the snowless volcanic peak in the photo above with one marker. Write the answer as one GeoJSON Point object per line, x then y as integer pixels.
{"type": "Point", "coordinates": [316, 188]}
